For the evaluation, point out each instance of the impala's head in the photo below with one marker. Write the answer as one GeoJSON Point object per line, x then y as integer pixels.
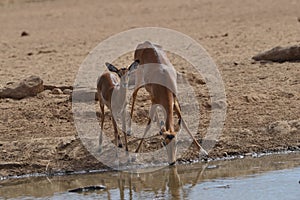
{"type": "Point", "coordinates": [170, 142]}
{"type": "Point", "coordinates": [123, 73]}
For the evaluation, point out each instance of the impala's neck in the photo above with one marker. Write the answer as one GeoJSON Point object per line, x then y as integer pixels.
{"type": "Point", "coordinates": [150, 55]}
{"type": "Point", "coordinates": [120, 92]}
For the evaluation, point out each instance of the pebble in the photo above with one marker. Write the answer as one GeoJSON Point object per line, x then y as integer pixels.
{"type": "Point", "coordinates": [56, 91]}
{"type": "Point", "coordinates": [248, 154]}
{"type": "Point", "coordinates": [24, 33]}
{"type": "Point", "coordinates": [67, 91]}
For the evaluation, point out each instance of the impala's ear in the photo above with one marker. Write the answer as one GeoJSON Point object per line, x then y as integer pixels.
{"type": "Point", "coordinates": [134, 65]}
{"type": "Point", "coordinates": [111, 68]}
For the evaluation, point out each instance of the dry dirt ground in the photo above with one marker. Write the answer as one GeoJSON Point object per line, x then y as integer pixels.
{"type": "Point", "coordinates": [37, 134]}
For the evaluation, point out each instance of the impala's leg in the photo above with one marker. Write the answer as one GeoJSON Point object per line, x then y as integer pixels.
{"type": "Point", "coordinates": [102, 122]}
{"type": "Point", "coordinates": [118, 141]}
{"type": "Point", "coordinates": [145, 132]}
{"type": "Point", "coordinates": [177, 110]}
{"type": "Point", "coordinates": [124, 127]}
{"type": "Point", "coordinates": [134, 95]}
{"type": "Point", "coordinates": [180, 120]}
{"type": "Point", "coordinates": [202, 151]}
{"type": "Point", "coordinates": [152, 112]}
{"type": "Point", "coordinates": [156, 119]}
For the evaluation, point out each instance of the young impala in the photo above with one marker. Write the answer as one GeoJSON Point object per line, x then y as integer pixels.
{"type": "Point", "coordinates": [112, 89]}
{"type": "Point", "coordinates": [156, 73]}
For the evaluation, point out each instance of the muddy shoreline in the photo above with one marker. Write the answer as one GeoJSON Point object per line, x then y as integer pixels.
{"type": "Point", "coordinates": [125, 168]}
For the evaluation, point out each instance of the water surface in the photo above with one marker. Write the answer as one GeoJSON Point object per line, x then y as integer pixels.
{"type": "Point", "coordinates": [267, 177]}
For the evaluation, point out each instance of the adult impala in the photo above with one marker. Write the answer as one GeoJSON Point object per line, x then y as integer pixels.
{"type": "Point", "coordinates": [156, 73]}
{"type": "Point", "coordinates": [109, 86]}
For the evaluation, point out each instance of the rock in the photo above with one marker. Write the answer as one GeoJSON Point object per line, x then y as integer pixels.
{"type": "Point", "coordinates": [207, 105]}
{"type": "Point", "coordinates": [225, 35]}
{"type": "Point", "coordinates": [248, 154]}
{"type": "Point", "coordinates": [280, 54]}
{"type": "Point", "coordinates": [45, 93]}
{"type": "Point", "coordinates": [219, 104]}
{"type": "Point", "coordinates": [88, 188]}
{"type": "Point", "coordinates": [254, 97]}
{"type": "Point", "coordinates": [295, 126]}
{"type": "Point", "coordinates": [83, 95]}
{"type": "Point", "coordinates": [67, 91]}
{"type": "Point", "coordinates": [24, 33]}
{"type": "Point", "coordinates": [279, 127]}
{"type": "Point", "coordinates": [56, 91]}
{"type": "Point", "coordinates": [46, 51]}
{"type": "Point", "coordinates": [30, 86]}
{"type": "Point", "coordinates": [295, 123]}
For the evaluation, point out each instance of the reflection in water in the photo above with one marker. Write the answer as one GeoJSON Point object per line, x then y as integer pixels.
{"type": "Point", "coordinates": [176, 182]}
{"type": "Point", "coordinates": [164, 183]}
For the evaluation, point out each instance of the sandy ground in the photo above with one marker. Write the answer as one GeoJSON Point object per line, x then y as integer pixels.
{"type": "Point", "coordinates": [38, 134]}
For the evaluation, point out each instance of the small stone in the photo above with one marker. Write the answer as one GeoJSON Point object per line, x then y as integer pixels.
{"type": "Point", "coordinates": [67, 91]}
{"type": "Point", "coordinates": [225, 35]}
{"type": "Point", "coordinates": [262, 77]}
{"type": "Point", "coordinates": [248, 154]}
{"type": "Point", "coordinates": [220, 104]}
{"type": "Point", "coordinates": [255, 97]}
{"type": "Point", "coordinates": [207, 105]}
{"type": "Point", "coordinates": [56, 91]}
{"type": "Point", "coordinates": [24, 33]}
{"type": "Point", "coordinates": [295, 124]}
{"type": "Point", "coordinates": [279, 127]}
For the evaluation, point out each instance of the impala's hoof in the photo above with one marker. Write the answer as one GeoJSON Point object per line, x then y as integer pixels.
{"type": "Point", "coordinates": [172, 164]}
